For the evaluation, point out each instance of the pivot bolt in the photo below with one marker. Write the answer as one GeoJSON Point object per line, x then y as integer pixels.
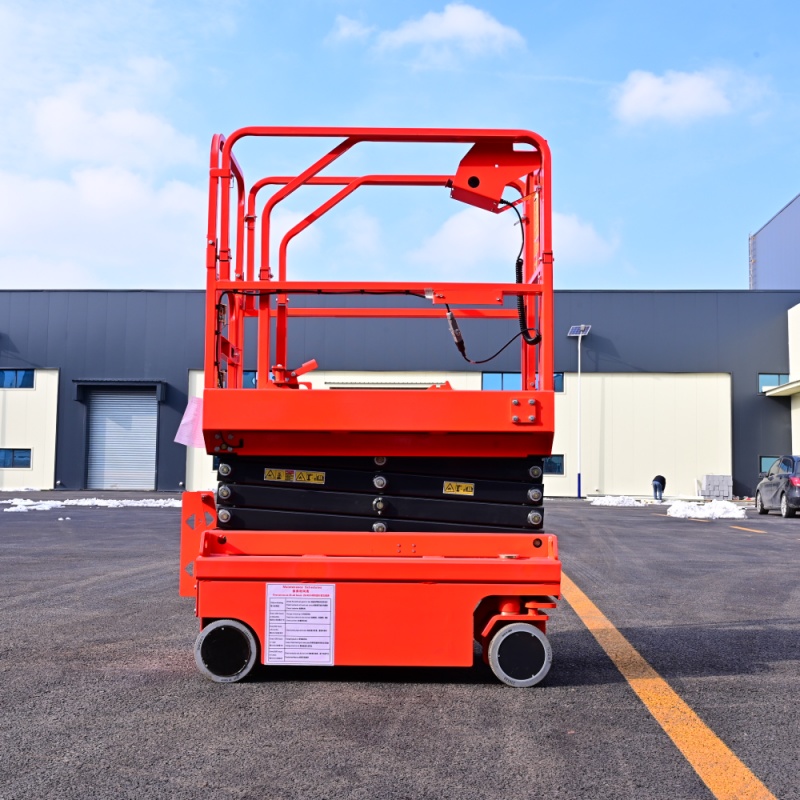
{"type": "Point", "coordinates": [535, 472]}
{"type": "Point", "coordinates": [225, 469]}
{"type": "Point", "coordinates": [378, 504]}
{"type": "Point", "coordinates": [379, 461]}
{"type": "Point", "coordinates": [535, 518]}
{"type": "Point", "coordinates": [534, 495]}
{"type": "Point", "coordinates": [225, 492]}
{"type": "Point", "coordinates": [225, 516]}
{"type": "Point", "coordinates": [379, 482]}
{"type": "Point", "coordinates": [379, 527]}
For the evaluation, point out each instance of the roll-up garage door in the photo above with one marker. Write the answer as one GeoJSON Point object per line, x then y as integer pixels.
{"type": "Point", "coordinates": [122, 439]}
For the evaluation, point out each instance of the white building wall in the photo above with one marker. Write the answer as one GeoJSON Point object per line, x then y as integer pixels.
{"type": "Point", "coordinates": [794, 372]}
{"type": "Point", "coordinates": [635, 426]}
{"type": "Point", "coordinates": [28, 421]}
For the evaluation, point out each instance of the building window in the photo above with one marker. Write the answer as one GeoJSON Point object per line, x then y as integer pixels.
{"type": "Point", "coordinates": [553, 465]}
{"type": "Point", "coordinates": [769, 380]}
{"type": "Point", "coordinates": [14, 459]}
{"type": "Point", "coordinates": [512, 381]}
{"type": "Point", "coordinates": [16, 379]}
{"type": "Point", "coordinates": [765, 462]}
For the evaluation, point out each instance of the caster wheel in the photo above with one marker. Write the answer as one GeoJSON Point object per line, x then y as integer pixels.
{"type": "Point", "coordinates": [760, 504]}
{"type": "Point", "coordinates": [225, 651]}
{"type": "Point", "coordinates": [520, 655]}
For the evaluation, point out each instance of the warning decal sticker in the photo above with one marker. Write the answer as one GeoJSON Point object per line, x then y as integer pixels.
{"type": "Point", "coordinates": [461, 489]}
{"type": "Point", "coordinates": [293, 476]}
{"type": "Point", "coordinates": [300, 622]}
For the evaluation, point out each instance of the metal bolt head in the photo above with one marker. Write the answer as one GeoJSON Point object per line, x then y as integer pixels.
{"type": "Point", "coordinates": [225, 469]}
{"type": "Point", "coordinates": [378, 504]}
{"type": "Point", "coordinates": [531, 418]}
{"type": "Point", "coordinates": [535, 495]}
{"type": "Point", "coordinates": [531, 402]}
{"type": "Point", "coordinates": [224, 515]}
{"type": "Point", "coordinates": [224, 492]}
{"type": "Point", "coordinates": [515, 419]}
{"type": "Point", "coordinates": [379, 527]}
{"type": "Point", "coordinates": [379, 482]}
{"type": "Point", "coordinates": [535, 518]}
{"type": "Point", "coordinates": [230, 437]}
{"type": "Point", "coordinates": [535, 472]}
{"type": "Point", "coordinates": [515, 402]}
{"type": "Point", "coordinates": [379, 461]}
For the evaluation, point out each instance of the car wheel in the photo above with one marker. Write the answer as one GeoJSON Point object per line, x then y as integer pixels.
{"type": "Point", "coordinates": [786, 511]}
{"type": "Point", "coordinates": [760, 504]}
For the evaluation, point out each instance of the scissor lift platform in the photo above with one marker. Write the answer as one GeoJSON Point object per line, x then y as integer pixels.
{"type": "Point", "coordinates": [388, 527]}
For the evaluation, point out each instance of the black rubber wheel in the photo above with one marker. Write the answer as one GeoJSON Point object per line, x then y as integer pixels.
{"type": "Point", "coordinates": [520, 655]}
{"type": "Point", "coordinates": [225, 651]}
{"type": "Point", "coordinates": [786, 510]}
{"type": "Point", "coordinates": [760, 504]}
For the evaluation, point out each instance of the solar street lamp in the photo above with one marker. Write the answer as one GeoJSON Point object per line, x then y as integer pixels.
{"type": "Point", "coordinates": [578, 332]}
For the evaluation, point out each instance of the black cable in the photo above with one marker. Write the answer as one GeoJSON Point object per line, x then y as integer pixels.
{"type": "Point", "coordinates": [459, 339]}
{"type": "Point", "coordinates": [521, 310]}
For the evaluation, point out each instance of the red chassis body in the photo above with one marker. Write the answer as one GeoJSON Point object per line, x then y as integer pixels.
{"type": "Point", "coordinates": [400, 598]}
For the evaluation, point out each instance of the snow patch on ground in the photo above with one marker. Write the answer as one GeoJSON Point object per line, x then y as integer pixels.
{"type": "Point", "coordinates": [716, 509]}
{"type": "Point", "coordinates": [21, 504]}
{"type": "Point", "coordinates": [608, 500]}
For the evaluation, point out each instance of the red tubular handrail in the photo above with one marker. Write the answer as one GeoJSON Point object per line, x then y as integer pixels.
{"type": "Point", "coordinates": [534, 189]}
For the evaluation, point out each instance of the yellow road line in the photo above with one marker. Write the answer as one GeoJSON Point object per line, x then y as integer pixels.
{"type": "Point", "coordinates": [750, 530]}
{"type": "Point", "coordinates": [716, 764]}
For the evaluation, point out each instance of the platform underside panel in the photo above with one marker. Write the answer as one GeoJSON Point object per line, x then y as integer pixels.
{"type": "Point", "coordinates": [380, 494]}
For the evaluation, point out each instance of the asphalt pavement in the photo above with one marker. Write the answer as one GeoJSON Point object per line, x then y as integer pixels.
{"type": "Point", "coordinates": [100, 696]}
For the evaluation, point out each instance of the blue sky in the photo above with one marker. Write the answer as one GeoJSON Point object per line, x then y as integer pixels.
{"type": "Point", "coordinates": [675, 131]}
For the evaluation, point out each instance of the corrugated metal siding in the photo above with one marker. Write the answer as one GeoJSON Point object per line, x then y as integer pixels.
{"type": "Point", "coordinates": [775, 251]}
{"type": "Point", "coordinates": [123, 428]}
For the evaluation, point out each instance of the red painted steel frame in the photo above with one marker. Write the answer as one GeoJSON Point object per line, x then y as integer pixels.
{"type": "Point", "coordinates": [401, 599]}
{"type": "Point", "coordinates": [280, 418]}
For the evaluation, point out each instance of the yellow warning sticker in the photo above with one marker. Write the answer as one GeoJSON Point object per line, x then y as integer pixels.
{"type": "Point", "coordinates": [309, 477]}
{"type": "Point", "coordinates": [461, 489]}
{"type": "Point", "coordinates": [293, 476]}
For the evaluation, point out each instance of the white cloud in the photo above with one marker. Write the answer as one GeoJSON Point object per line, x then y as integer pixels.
{"type": "Point", "coordinates": [440, 38]}
{"type": "Point", "coordinates": [474, 245]}
{"type": "Point", "coordinates": [682, 97]}
{"type": "Point", "coordinates": [578, 244]}
{"type": "Point", "coordinates": [470, 245]}
{"type": "Point", "coordinates": [346, 29]}
{"type": "Point", "coordinates": [103, 227]}
{"type": "Point", "coordinates": [96, 121]}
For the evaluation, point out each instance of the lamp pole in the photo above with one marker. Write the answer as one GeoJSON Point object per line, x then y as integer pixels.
{"type": "Point", "coordinates": [579, 331]}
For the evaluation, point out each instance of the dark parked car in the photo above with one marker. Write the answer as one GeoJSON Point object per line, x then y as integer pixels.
{"type": "Point", "coordinates": [780, 487]}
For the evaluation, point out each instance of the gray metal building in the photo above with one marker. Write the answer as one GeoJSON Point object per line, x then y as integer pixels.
{"type": "Point", "coordinates": [142, 344]}
{"type": "Point", "coordinates": [775, 251]}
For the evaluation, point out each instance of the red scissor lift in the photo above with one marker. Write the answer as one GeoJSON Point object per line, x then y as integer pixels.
{"type": "Point", "coordinates": [386, 527]}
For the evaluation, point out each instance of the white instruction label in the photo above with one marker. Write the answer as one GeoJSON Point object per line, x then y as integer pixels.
{"type": "Point", "coordinates": [300, 623]}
